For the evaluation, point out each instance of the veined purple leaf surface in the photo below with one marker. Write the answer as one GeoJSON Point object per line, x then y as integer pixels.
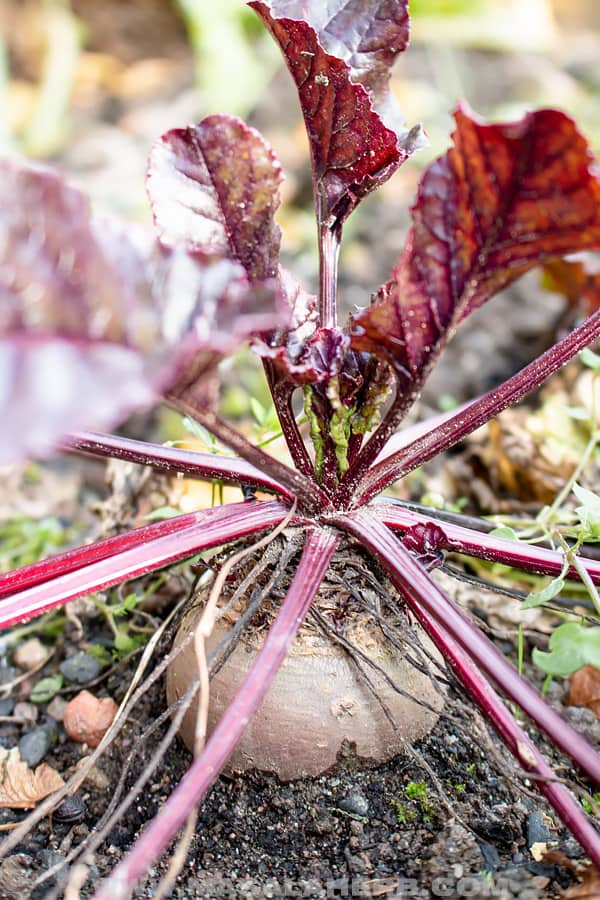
{"type": "Point", "coordinates": [51, 385]}
{"type": "Point", "coordinates": [367, 34]}
{"type": "Point", "coordinates": [94, 324]}
{"type": "Point", "coordinates": [353, 151]}
{"type": "Point", "coordinates": [504, 198]}
{"type": "Point", "coordinates": [72, 331]}
{"type": "Point", "coordinates": [214, 188]}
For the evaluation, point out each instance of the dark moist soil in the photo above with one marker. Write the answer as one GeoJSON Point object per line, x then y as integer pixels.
{"type": "Point", "coordinates": [450, 819]}
{"type": "Point", "coordinates": [354, 833]}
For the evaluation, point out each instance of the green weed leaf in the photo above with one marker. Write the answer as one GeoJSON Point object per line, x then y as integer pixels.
{"type": "Point", "coordinates": [537, 598]}
{"type": "Point", "coordinates": [571, 646]}
{"type": "Point", "coordinates": [45, 689]}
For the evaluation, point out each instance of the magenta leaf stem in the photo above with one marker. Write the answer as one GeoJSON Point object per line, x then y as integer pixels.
{"type": "Point", "coordinates": [172, 460]}
{"type": "Point", "coordinates": [310, 497]}
{"type": "Point", "coordinates": [77, 558]}
{"type": "Point", "coordinates": [515, 738]}
{"type": "Point", "coordinates": [210, 528]}
{"type": "Point", "coordinates": [318, 550]}
{"type": "Point", "coordinates": [282, 392]}
{"type": "Point", "coordinates": [459, 539]}
{"type": "Point", "coordinates": [360, 485]}
{"type": "Point", "coordinates": [410, 576]}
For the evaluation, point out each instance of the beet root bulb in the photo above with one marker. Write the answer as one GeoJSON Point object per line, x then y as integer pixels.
{"type": "Point", "coordinates": [319, 705]}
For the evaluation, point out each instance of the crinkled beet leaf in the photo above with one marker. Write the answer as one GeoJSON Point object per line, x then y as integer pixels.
{"type": "Point", "coordinates": [367, 34]}
{"type": "Point", "coordinates": [503, 199]}
{"type": "Point", "coordinates": [329, 48]}
{"type": "Point", "coordinates": [214, 187]}
{"type": "Point", "coordinates": [72, 332]}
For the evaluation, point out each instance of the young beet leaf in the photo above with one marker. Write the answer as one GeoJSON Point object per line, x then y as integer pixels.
{"type": "Point", "coordinates": [503, 199]}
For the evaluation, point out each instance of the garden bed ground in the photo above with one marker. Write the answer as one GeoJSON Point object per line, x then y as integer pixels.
{"type": "Point", "coordinates": [377, 832]}
{"type": "Point", "coordinates": [451, 818]}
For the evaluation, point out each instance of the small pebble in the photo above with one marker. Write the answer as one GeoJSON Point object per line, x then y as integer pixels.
{"type": "Point", "coordinates": [16, 876]}
{"type": "Point", "coordinates": [87, 719]}
{"type": "Point", "coordinates": [355, 804]}
{"type": "Point", "coordinates": [8, 674]}
{"type": "Point", "coordinates": [491, 859]}
{"type": "Point", "coordinates": [34, 745]}
{"type": "Point", "coordinates": [56, 708]}
{"type": "Point", "coordinates": [537, 831]}
{"type": "Point", "coordinates": [26, 713]}
{"type": "Point", "coordinates": [80, 668]}
{"type": "Point", "coordinates": [584, 721]}
{"type": "Point", "coordinates": [30, 655]}
{"type": "Point", "coordinates": [71, 810]}
{"type": "Point", "coordinates": [6, 707]}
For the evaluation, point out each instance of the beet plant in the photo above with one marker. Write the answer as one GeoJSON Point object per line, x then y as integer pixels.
{"type": "Point", "coordinates": [97, 322]}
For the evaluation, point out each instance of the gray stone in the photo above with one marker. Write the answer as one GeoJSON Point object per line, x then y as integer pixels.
{"type": "Point", "coordinates": [81, 668]}
{"type": "Point", "coordinates": [355, 804]}
{"type": "Point", "coordinates": [6, 707]}
{"type": "Point", "coordinates": [56, 708]}
{"type": "Point", "coordinates": [34, 745]}
{"type": "Point", "coordinates": [537, 832]}
{"type": "Point", "coordinates": [26, 712]}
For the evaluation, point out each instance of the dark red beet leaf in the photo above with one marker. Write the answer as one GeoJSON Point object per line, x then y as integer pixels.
{"type": "Point", "coordinates": [353, 151]}
{"type": "Point", "coordinates": [503, 199]}
{"type": "Point", "coordinates": [214, 188]}
{"type": "Point", "coordinates": [367, 34]}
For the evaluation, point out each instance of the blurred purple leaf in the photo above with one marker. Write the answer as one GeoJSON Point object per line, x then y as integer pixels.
{"type": "Point", "coordinates": [94, 324]}
{"type": "Point", "coordinates": [214, 188]}
{"type": "Point", "coordinates": [72, 332]}
{"type": "Point", "coordinates": [215, 319]}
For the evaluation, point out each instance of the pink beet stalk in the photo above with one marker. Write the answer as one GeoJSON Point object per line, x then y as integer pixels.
{"type": "Point", "coordinates": [172, 460]}
{"type": "Point", "coordinates": [510, 731]}
{"type": "Point", "coordinates": [465, 421]}
{"type": "Point", "coordinates": [211, 528]}
{"type": "Point", "coordinates": [459, 539]}
{"type": "Point", "coordinates": [318, 551]}
{"type": "Point", "coordinates": [61, 563]}
{"type": "Point", "coordinates": [409, 575]}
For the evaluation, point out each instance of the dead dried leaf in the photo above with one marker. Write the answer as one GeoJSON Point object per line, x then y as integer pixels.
{"type": "Point", "coordinates": [584, 689]}
{"type": "Point", "coordinates": [588, 888]}
{"type": "Point", "coordinates": [586, 873]}
{"type": "Point", "coordinates": [20, 786]}
{"type": "Point", "coordinates": [539, 850]}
